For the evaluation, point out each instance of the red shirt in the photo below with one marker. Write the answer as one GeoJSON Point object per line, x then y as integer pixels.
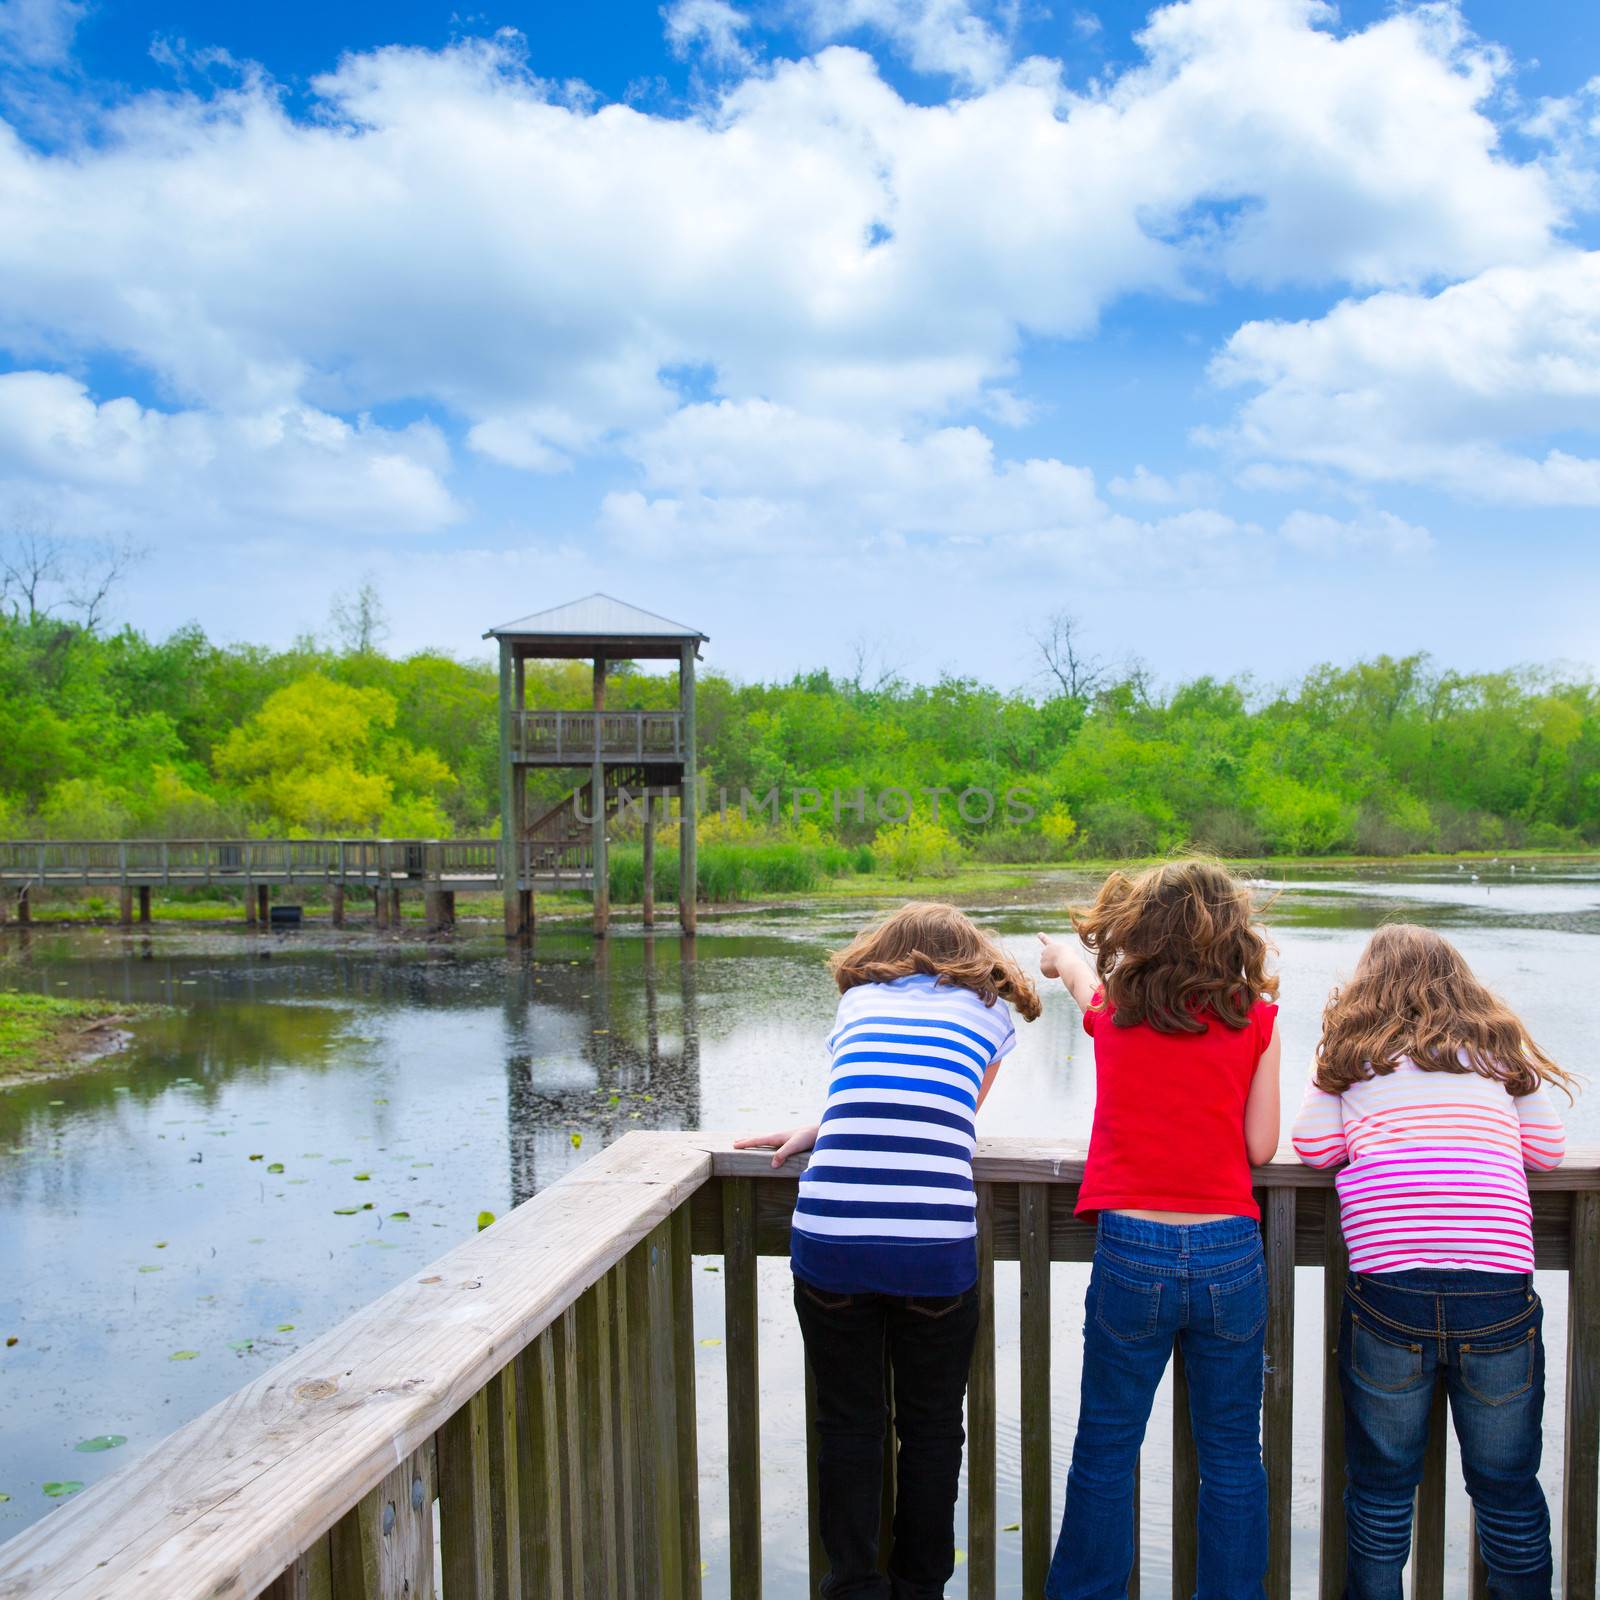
{"type": "Point", "coordinates": [1169, 1116]}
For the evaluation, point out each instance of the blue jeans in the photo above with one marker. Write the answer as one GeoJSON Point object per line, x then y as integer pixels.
{"type": "Point", "coordinates": [1400, 1332]}
{"type": "Point", "coordinates": [1205, 1285]}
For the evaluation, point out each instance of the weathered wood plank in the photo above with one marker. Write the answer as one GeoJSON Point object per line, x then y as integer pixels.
{"type": "Point", "coordinates": [600, 1490]}
{"type": "Point", "coordinates": [1427, 1535]}
{"type": "Point", "coordinates": [646, 1496]}
{"type": "Point", "coordinates": [982, 1519]}
{"type": "Point", "coordinates": [664, 1404]}
{"type": "Point", "coordinates": [308, 1577]}
{"type": "Point", "coordinates": [505, 1504]}
{"type": "Point", "coordinates": [1185, 1485]}
{"type": "Point", "coordinates": [1581, 1463]}
{"type": "Point", "coordinates": [465, 1512]}
{"type": "Point", "coordinates": [740, 1346]}
{"type": "Point", "coordinates": [1277, 1413]}
{"type": "Point", "coordinates": [227, 1502]}
{"type": "Point", "coordinates": [574, 1480]}
{"type": "Point", "coordinates": [1138, 1529]}
{"type": "Point", "coordinates": [625, 1457]}
{"type": "Point", "coordinates": [1477, 1572]}
{"type": "Point", "coordinates": [1332, 1553]}
{"type": "Point", "coordinates": [1037, 1490]}
{"type": "Point", "coordinates": [383, 1549]}
{"type": "Point", "coordinates": [685, 1390]}
{"type": "Point", "coordinates": [539, 1468]}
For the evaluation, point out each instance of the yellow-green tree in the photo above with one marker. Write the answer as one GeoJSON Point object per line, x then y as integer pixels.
{"type": "Point", "coordinates": [321, 757]}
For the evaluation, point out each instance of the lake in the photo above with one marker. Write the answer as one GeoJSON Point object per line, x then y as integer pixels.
{"type": "Point", "coordinates": [320, 1113]}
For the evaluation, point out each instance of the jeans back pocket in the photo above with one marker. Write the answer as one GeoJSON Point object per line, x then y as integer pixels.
{"type": "Point", "coordinates": [1239, 1309]}
{"type": "Point", "coordinates": [1497, 1372]}
{"type": "Point", "coordinates": [1127, 1308]}
{"type": "Point", "coordinates": [1384, 1363]}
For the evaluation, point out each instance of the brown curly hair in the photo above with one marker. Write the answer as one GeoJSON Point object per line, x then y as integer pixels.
{"type": "Point", "coordinates": [925, 936]}
{"type": "Point", "coordinates": [1414, 995]}
{"type": "Point", "coordinates": [1175, 942]}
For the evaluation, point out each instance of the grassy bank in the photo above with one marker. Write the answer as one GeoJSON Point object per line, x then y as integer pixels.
{"type": "Point", "coordinates": [43, 1037]}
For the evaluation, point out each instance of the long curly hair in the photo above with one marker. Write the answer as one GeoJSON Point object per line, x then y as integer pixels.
{"type": "Point", "coordinates": [928, 937]}
{"type": "Point", "coordinates": [1174, 943]}
{"type": "Point", "coordinates": [1414, 995]}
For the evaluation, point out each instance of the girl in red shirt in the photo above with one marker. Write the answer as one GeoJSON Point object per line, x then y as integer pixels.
{"type": "Point", "coordinates": [1180, 1007]}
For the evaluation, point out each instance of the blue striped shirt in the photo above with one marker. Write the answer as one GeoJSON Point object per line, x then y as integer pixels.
{"type": "Point", "coordinates": [887, 1204]}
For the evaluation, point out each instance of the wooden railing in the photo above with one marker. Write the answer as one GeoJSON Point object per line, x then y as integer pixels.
{"type": "Point", "coordinates": [568, 737]}
{"type": "Point", "coordinates": [532, 1397]}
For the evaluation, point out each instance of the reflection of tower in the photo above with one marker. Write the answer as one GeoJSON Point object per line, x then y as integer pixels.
{"type": "Point", "coordinates": [593, 1048]}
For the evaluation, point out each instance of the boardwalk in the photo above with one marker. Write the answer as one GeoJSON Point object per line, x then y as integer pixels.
{"type": "Point", "coordinates": [531, 1396]}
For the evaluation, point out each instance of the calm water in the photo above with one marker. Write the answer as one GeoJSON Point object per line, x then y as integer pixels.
{"type": "Point", "coordinates": [143, 1212]}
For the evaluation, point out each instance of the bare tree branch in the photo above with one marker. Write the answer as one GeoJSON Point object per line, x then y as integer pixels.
{"type": "Point", "coordinates": [1078, 675]}
{"type": "Point", "coordinates": [99, 574]}
{"type": "Point", "coordinates": [359, 618]}
{"type": "Point", "coordinates": [41, 573]}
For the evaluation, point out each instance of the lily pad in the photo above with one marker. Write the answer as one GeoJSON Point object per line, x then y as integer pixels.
{"type": "Point", "coordinates": [183, 1355]}
{"type": "Point", "coordinates": [577, 1139]}
{"type": "Point", "coordinates": [284, 1327]}
{"type": "Point", "coordinates": [276, 1166]}
{"type": "Point", "coordinates": [60, 1491]}
{"type": "Point", "coordinates": [101, 1441]}
{"type": "Point", "coordinates": [400, 1216]}
{"type": "Point", "coordinates": [260, 1157]}
{"type": "Point", "coordinates": [3, 1498]}
{"type": "Point", "coordinates": [484, 1219]}
{"type": "Point", "coordinates": [241, 1344]}
{"type": "Point", "coordinates": [362, 1177]}
{"type": "Point", "coordinates": [345, 1211]}
{"type": "Point", "coordinates": [149, 1269]}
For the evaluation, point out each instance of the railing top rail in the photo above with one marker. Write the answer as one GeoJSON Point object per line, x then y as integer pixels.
{"type": "Point", "coordinates": [1029, 1160]}
{"type": "Point", "coordinates": [221, 1506]}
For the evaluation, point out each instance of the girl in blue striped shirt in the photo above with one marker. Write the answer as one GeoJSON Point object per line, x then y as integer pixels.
{"type": "Point", "coordinates": [884, 1238]}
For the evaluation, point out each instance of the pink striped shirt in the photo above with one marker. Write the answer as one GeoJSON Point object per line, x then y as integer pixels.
{"type": "Point", "coordinates": [1436, 1167]}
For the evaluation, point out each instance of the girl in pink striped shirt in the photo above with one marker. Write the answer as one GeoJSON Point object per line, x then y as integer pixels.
{"type": "Point", "coordinates": [1431, 1096]}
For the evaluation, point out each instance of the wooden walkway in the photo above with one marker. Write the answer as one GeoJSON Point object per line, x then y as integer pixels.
{"type": "Point", "coordinates": [387, 868]}
{"type": "Point", "coordinates": [532, 1397]}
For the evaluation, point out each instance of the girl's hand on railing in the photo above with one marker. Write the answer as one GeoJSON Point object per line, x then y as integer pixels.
{"type": "Point", "coordinates": [787, 1144]}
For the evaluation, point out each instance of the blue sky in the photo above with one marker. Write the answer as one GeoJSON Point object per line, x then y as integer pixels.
{"type": "Point", "coordinates": [1251, 332]}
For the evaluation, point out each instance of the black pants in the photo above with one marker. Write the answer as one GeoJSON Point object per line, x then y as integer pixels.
{"type": "Point", "coordinates": [854, 1342]}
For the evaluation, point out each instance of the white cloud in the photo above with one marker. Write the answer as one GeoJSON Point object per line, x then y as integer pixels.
{"type": "Point", "coordinates": [1453, 390]}
{"type": "Point", "coordinates": [937, 36]}
{"type": "Point", "coordinates": [116, 465]}
{"type": "Point", "coordinates": [450, 229]}
{"type": "Point", "coordinates": [39, 33]}
{"type": "Point", "coordinates": [713, 27]}
{"type": "Point", "coordinates": [1152, 488]}
{"type": "Point", "coordinates": [752, 478]}
{"type": "Point", "coordinates": [1377, 532]}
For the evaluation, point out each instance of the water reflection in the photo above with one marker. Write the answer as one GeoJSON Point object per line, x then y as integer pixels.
{"type": "Point", "coordinates": [588, 1065]}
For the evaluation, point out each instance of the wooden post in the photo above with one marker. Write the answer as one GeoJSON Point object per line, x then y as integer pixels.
{"type": "Point", "coordinates": [1581, 1466]}
{"type": "Point", "coordinates": [510, 819]}
{"type": "Point", "coordinates": [1037, 1490]}
{"type": "Point", "coordinates": [649, 858]}
{"type": "Point", "coordinates": [1335, 1267]}
{"type": "Point", "coordinates": [740, 1334]}
{"type": "Point", "coordinates": [525, 913]}
{"type": "Point", "coordinates": [982, 1523]}
{"type": "Point", "coordinates": [1427, 1533]}
{"type": "Point", "coordinates": [597, 783]}
{"type": "Point", "coordinates": [441, 909]}
{"type": "Point", "coordinates": [144, 902]}
{"type": "Point", "coordinates": [338, 904]}
{"type": "Point", "coordinates": [1278, 1396]}
{"type": "Point", "coordinates": [263, 897]}
{"type": "Point", "coordinates": [250, 904]}
{"type": "Point", "coordinates": [380, 907]}
{"type": "Point", "coordinates": [688, 807]}
{"type": "Point", "coordinates": [394, 907]}
{"type": "Point", "coordinates": [125, 909]}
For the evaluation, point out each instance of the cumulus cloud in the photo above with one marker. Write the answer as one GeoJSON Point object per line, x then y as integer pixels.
{"type": "Point", "coordinates": [752, 478]}
{"type": "Point", "coordinates": [1379, 531]}
{"type": "Point", "coordinates": [936, 36]}
{"type": "Point", "coordinates": [39, 33]}
{"type": "Point", "coordinates": [448, 227]}
{"type": "Point", "coordinates": [713, 27]}
{"type": "Point", "coordinates": [1452, 390]}
{"type": "Point", "coordinates": [116, 463]}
